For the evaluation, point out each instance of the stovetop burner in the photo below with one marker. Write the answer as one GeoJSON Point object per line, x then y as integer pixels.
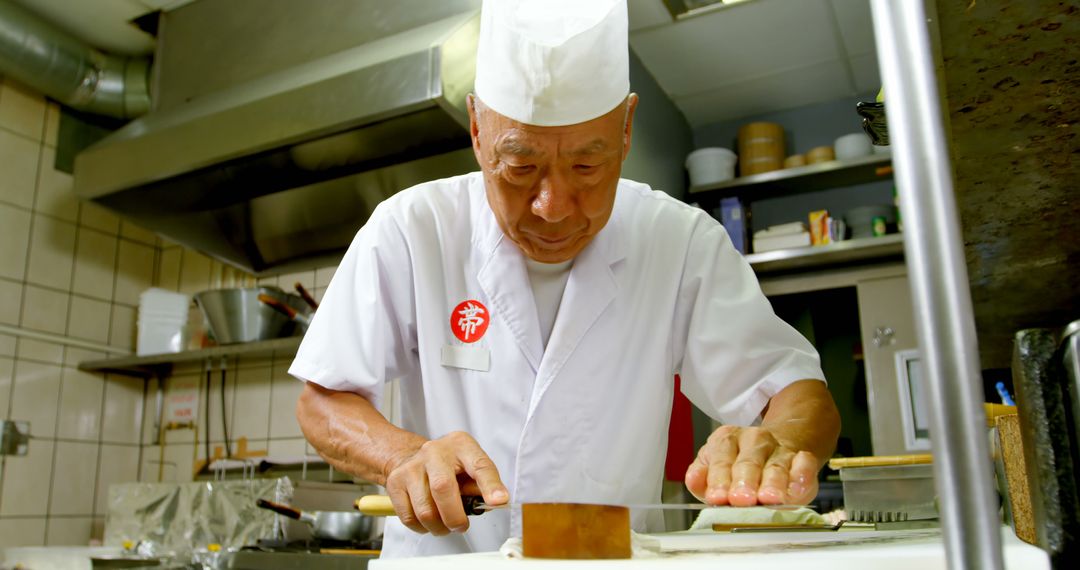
{"type": "Point", "coordinates": [306, 555]}
{"type": "Point", "coordinates": [313, 545]}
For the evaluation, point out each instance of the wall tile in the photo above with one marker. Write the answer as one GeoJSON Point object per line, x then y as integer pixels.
{"type": "Point", "coordinates": [169, 269]}
{"type": "Point", "coordinates": [44, 310]}
{"type": "Point", "coordinates": [7, 345]}
{"type": "Point", "coordinates": [7, 368]}
{"type": "Point", "coordinates": [149, 432]}
{"type": "Point", "coordinates": [119, 464]}
{"type": "Point", "coordinates": [74, 356]}
{"type": "Point", "coordinates": [52, 253]}
{"type": "Point", "coordinates": [18, 162]}
{"type": "Point", "coordinates": [80, 405]}
{"type": "Point", "coordinates": [55, 189]}
{"type": "Point", "coordinates": [22, 110]}
{"type": "Point", "coordinates": [26, 481]}
{"type": "Point", "coordinates": [323, 275]}
{"type": "Point", "coordinates": [11, 294]}
{"type": "Point", "coordinates": [122, 331]}
{"type": "Point", "coordinates": [30, 349]}
{"type": "Point", "coordinates": [22, 532]}
{"type": "Point", "coordinates": [95, 264]}
{"type": "Point", "coordinates": [123, 409]}
{"type": "Point", "coordinates": [89, 319]}
{"type": "Point", "coordinates": [137, 233]}
{"type": "Point", "coordinates": [97, 529]}
{"type": "Point", "coordinates": [292, 447]}
{"type": "Point", "coordinates": [306, 278]}
{"type": "Point", "coordinates": [285, 390]}
{"type": "Point", "coordinates": [35, 397]}
{"type": "Point", "coordinates": [68, 531]}
{"type": "Point", "coordinates": [52, 123]}
{"type": "Point", "coordinates": [135, 271]}
{"type": "Point", "coordinates": [251, 418]}
{"type": "Point", "coordinates": [181, 458]}
{"type": "Point", "coordinates": [94, 216]}
{"type": "Point", "coordinates": [152, 470]}
{"type": "Point", "coordinates": [194, 272]}
{"type": "Point", "coordinates": [14, 235]}
{"type": "Point", "coordinates": [74, 478]}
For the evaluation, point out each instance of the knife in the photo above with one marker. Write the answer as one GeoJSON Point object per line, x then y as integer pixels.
{"type": "Point", "coordinates": [380, 506]}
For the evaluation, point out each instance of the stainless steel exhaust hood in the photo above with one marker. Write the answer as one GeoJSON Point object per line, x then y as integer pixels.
{"type": "Point", "coordinates": [269, 166]}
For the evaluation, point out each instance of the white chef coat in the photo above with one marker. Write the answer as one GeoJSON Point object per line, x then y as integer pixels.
{"type": "Point", "coordinates": [659, 291]}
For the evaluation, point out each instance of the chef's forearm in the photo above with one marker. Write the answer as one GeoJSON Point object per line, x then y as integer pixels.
{"type": "Point", "coordinates": [804, 417]}
{"type": "Point", "coordinates": [351, 434]}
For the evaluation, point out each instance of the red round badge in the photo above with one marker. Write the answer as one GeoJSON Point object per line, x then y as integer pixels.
{"type": "Point", "coordinates": [469, 321]}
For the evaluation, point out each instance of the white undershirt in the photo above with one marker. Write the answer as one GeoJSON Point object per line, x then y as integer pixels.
{"type": "Point", "coordinates": [548, 281]}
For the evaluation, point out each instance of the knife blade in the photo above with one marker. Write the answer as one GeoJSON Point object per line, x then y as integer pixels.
{"type": "Point", "coordinates": [380, 506]}
{"type": "Point", "coordinates": [480, 505]}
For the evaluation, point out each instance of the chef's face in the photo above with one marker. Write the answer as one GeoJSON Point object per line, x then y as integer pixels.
{"type": "Point", "coordinates": [551, 188]}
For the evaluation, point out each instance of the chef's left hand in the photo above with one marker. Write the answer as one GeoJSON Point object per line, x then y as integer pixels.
{"type": "Point", "coordinates": [746, 466]}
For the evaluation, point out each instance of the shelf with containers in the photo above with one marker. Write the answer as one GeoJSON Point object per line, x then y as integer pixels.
{"type": "Point", "coordinates": [788, 182]}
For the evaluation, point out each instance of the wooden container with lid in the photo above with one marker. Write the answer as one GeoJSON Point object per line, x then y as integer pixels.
{"type": "Point", "coordinates": [761, 148]}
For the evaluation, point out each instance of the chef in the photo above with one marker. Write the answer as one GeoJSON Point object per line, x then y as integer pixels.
{"type": "Point", "coordinates": [535, 313]}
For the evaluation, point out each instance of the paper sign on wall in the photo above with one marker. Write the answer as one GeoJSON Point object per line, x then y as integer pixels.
{"type": "Point", "coordinates": [181, 400]}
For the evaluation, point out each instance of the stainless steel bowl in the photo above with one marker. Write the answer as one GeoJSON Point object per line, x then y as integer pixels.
{"type": "Point", "coordinates": [237, 315]}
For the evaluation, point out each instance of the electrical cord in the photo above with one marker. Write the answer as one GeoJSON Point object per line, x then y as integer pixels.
{"type": "Point", "coordinates": [224, 414]}
{"type": "Point", "coordinates": [206, 415]}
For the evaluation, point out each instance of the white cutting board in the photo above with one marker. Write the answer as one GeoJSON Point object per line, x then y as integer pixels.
{"type": "Point", "coordinates": [860, 550]}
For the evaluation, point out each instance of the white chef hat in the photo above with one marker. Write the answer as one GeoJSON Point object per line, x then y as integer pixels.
{"type": "Point", "coordinates": [553, 62]}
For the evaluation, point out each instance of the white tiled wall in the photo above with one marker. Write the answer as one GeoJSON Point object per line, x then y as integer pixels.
{"type": "Point", "coordinates": [73, 269]}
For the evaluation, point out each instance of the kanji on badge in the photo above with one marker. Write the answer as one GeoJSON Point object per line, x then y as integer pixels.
{"type": "Point", "coordinates": [469, 321]}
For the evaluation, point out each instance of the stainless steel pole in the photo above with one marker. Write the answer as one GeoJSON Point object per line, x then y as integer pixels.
{"type": "Point", "coordinates": [938, 277]}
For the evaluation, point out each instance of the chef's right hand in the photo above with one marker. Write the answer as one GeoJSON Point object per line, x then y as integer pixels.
{"type": "Point", "coordinates": [426, 487]}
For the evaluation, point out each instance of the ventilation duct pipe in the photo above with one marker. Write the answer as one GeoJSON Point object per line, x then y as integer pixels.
{"type": "Point", "coordinates": [41, 56]}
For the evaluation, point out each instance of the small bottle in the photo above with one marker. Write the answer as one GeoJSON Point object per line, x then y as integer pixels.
{"type": "Point", "coordinates": [879, 226]}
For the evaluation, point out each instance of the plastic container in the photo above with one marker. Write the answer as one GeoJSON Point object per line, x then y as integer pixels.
{"type": "Point", "coordinates": [861, 219]}
{"type": "Point", "coordinates": [710, 165]}
{"type": "Point", "coordinates": [853, 145]}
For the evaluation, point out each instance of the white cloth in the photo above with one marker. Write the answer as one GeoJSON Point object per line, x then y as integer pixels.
{"type": "Point", "coordinates": [553, 62]}
{"type": "Point", "coordinates": [659, 290]}
{"type": "Point", "coordinates": [548, 281]}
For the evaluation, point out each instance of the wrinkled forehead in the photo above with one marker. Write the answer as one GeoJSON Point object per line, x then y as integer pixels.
{"type": "Point", "coordinates": [508, 137]}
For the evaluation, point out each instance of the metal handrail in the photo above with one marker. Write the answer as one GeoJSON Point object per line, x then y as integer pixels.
{"type": "Point", "coordinates": [937, 273]}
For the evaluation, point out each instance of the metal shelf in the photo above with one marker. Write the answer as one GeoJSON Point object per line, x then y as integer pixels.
{"type": "Point", "coordinates": [844, 252]}
{"type": "Point", "coordinates": [810, 178]}
{"type": "Point", "coordinates": [159, 365]}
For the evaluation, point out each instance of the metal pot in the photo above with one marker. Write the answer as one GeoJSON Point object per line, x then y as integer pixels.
{"type": "Point", "coordinates": [236, 315]}
{"type": "Point", "coordinates": [326, 525]}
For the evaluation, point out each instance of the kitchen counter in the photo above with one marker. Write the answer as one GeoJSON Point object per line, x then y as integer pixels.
{"type": "Point", "coordinates": [855, 550]}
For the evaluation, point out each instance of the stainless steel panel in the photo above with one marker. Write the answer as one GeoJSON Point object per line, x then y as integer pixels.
{"type": "Point", "coordinates": [232, 42]}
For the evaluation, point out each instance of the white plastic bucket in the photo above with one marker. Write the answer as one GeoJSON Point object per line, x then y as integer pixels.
{"type": "Point", "coordinates": [710, 165]}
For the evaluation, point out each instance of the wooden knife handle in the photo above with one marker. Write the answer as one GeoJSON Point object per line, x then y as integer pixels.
{"type": "Point", "coordinates": [375, 506]}
{"type": "Point", "coordinates": [380, 506]}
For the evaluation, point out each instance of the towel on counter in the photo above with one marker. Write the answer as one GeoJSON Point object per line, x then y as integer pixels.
{"type": "Point", "coordinates": [756, 516]}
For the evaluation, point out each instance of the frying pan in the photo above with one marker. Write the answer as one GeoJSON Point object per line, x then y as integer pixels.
{"type": "Point", "coordinates": [327, 525]}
